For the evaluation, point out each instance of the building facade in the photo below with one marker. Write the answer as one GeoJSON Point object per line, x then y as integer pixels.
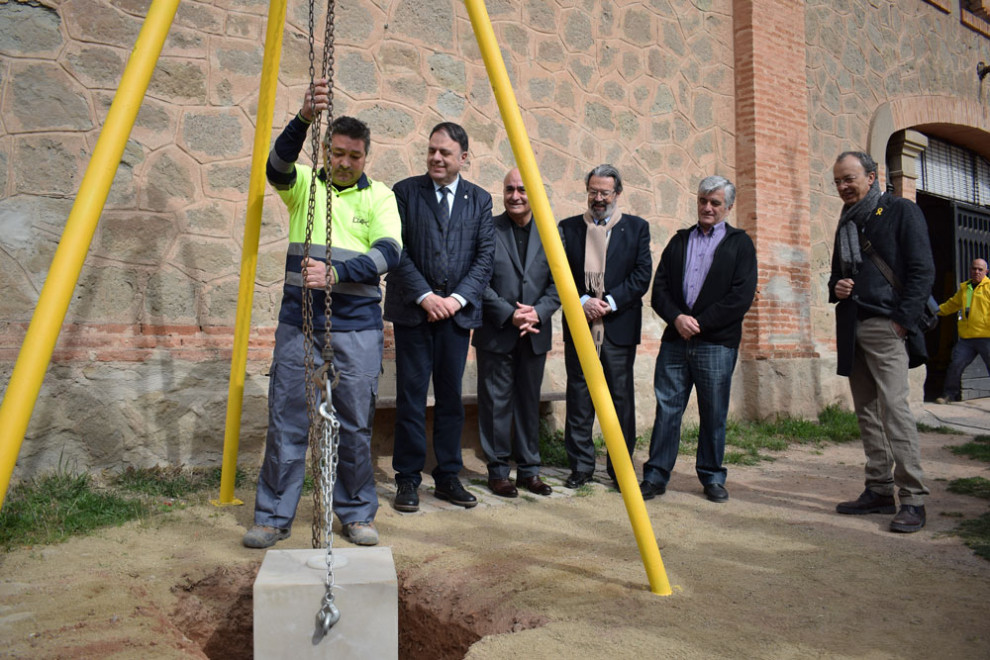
{"type": "Point", "coordinates": [765, 92]}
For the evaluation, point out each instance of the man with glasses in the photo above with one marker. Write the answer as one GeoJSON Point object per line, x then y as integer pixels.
{"type": "Point", "coordinates": [704, 286]}
{"type": "Point", "coordinates": [874, 319]}
{"type": "Point", "coordinates": [971, 304]}
{"type": "Point", "coordinates": [609, 255]}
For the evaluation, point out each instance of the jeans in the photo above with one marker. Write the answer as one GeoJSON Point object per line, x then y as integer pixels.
{"type": "Point", "coordinates": [964, 352]}
{"type": "Point", "coordinates": [682, 365]}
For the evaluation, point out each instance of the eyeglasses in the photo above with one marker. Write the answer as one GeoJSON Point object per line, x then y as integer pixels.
{"type": "Point", "coordinates": [603, 194]}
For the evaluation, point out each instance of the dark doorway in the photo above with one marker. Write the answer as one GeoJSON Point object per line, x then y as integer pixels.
{"type": "Point", "coordinates": [958, 233]}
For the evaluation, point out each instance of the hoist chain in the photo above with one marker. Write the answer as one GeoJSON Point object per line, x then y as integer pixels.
{"type": "Point", "coordinates": [324, 431]}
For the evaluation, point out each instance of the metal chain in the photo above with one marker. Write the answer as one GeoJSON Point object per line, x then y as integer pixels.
{"type": "Point", "coordinates": [325, 454]}
{"type": "Point", "coordinates": [307, 295]}
{"type": "Point", "coordinates": [324, 433]}
{"type": "Point", "coordinates": [322, 501]}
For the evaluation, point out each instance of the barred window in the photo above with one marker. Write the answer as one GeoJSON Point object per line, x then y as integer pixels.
{"type": "Point", "coordinates": [954, 172]}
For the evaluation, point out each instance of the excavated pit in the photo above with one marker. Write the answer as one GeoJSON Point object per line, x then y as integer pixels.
{"type": "Point", "coordinates": [436, 622]}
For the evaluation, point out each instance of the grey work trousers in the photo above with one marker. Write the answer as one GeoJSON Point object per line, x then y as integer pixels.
{"type": "Point", "coordinates": [358, 360]}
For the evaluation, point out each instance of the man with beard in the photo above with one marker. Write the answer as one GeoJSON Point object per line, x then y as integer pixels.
{"type": "Point", "coordinates": [609, 255]}
{"type": "Point", "coordinates": [874, 319]}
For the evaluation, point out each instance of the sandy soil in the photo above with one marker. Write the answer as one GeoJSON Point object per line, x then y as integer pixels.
{"type": "Point", "coordinates": [775, 573]}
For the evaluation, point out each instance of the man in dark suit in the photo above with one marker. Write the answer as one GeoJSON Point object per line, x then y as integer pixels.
{"type": "Point", "coordinates": [609, 255]}
{"type": "Point", "coordinates": [704, 286]}
{"type": "Point", "coordinates": [433, 299]}
{"type": "Point", "coordinates": [512, 345]}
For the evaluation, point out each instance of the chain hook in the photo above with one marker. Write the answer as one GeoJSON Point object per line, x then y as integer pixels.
{"type": "Point", "coordinates": [326, 618]}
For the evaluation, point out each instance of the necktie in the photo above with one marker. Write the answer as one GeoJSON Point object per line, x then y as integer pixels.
{"type": "Point", "coordinates": [444, 209]}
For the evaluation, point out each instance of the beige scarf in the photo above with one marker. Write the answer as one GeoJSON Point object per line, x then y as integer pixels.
{"type": "Point", "coordinates": [595, 248]}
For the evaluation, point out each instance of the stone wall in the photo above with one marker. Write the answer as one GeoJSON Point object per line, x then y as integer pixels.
{"type": "Point", "coordinates": [860, 56]}
{"type": "Point", "coordinates": [667, 90]}
{"type": "Point", "coordinates": [140, 372]}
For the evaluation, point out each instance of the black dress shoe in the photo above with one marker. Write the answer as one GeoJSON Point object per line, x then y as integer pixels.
{"type": "Point", "coordinates": [503, 488]}
{"type": "Point", "coordinates": [651, 490]}
{"type": "Point", "coordinates": [452, 491]}
{"type": "Point", "coordinates": [535, 485]}
{"type": "Point", "coordinates": [406, 497]}
{"type": "Point", "coordinates": [908, 519]}
{"type": "Point", "coordinates": [716, 493]}
{"type": "Point", "coordinates": [868, 502]}
{"type": "Point", "coordinates": [578, 479]}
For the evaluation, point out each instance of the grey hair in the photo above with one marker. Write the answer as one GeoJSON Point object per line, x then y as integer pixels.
{"type": "Point", "coordinates": [864, 159]}
{"type": "Point", "coordinates": [714, 183]}
{"type": "Point", "coordinates": [605, 170]}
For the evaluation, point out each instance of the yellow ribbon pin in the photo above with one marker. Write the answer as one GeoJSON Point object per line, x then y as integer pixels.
{"type": "Point", "coordinates": [880, 211]}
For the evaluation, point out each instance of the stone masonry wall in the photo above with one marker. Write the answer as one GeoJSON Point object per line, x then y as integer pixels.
{"type": "Point", "coordinates": [140, 372]}
{"type": "Point", "coordinates": [860, 55]}
{"type": "Point", "coordinates": [667, 90]}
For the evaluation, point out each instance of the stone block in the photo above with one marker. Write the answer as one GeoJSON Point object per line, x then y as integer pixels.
{"type": "Point", "coordinates": [42, 96]}
{"type": "Point", "coordinates": [29, 30]}
{"type": "Point", "coordinates": [288, 593]}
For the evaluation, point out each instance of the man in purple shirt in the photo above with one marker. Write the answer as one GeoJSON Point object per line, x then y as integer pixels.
{"type": "Point", "coordinates": [703, 287]}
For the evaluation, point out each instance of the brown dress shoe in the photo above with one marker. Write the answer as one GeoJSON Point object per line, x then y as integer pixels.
{"type": "Point", "coordinates": [535, 485]}
{"type": "Point", "coordinates": [503, 488]}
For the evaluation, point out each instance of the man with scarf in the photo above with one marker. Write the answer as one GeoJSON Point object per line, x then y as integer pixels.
{"type": "Point", "coordinates": [876, 330]}
{"type": "Point", "coordinates": [609, 255]}
{"type": "Point", "coordinates": [704, 286]}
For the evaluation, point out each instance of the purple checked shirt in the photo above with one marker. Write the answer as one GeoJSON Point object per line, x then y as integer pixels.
{"type": "Point", "coordinates": [700, 253]}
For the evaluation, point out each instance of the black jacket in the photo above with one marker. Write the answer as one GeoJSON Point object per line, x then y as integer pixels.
{"type": "Point", "coordinates": [627, 273]}
{"type": "Point", "coordinates": [725, 297]}
{"type": "Point", "coordinates": [898, 232]}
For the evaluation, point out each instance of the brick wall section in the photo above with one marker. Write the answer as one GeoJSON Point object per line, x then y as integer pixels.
{"type": "Point", "coordinates": [773, 201]}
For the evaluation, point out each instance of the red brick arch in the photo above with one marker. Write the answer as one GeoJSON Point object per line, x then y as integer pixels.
{"type": "Point", "coordinates": [962, 121]}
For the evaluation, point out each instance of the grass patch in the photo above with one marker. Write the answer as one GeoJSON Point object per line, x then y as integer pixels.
{"type": "Point", "coordinates": [944, 430]}
{"type": "Point", "coordinates": [978, 449]}
{"type": "Point", "coordinates": [745, 442]}
{"type": "Point", "coordinates": [53, 507]}
{"type": "Point", "coordinates": [552, 452]}
{"type": "Point", "coordinates": [975, 533]}
{"type": "Point", "coordinates": [171, 481]}
{"type": "Point", "coordinates": [975, 486]}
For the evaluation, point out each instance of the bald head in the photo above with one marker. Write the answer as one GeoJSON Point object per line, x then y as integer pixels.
{"type": "Point", "coordinates": [514, 198]}
{"type": "Point", "coordinates": [977, 270]}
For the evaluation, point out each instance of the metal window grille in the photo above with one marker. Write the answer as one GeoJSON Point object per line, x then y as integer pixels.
{"type": "Point", "coordinates": [956, 173]}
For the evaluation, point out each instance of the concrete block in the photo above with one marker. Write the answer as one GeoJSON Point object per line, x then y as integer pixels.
{"type": "Point", "coordinates": [288, 593]}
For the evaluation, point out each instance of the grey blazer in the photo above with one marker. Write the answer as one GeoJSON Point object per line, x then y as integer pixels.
{"type": "Point", "coordinates": [513, 281]}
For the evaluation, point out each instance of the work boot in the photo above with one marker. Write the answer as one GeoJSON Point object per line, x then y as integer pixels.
{"type": "Point", "coordinates": [263, 536]}
{"type": "Point", "coordinates": [360, 533]}
{"type": "Point", "coordinates": [406, 497]}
